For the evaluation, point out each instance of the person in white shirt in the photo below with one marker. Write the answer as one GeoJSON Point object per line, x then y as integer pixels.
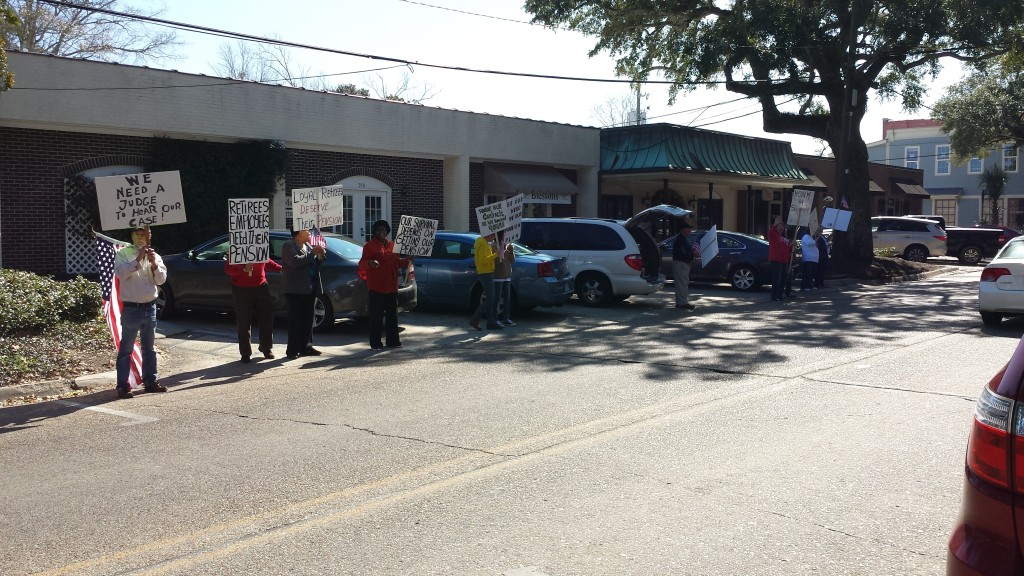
{"type": "Point", "coordinates": [139, 270]}
{"type": "Point", "coordinates": [809, 255]}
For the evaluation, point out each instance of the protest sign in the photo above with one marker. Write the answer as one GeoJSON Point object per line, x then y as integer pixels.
{"type": "Point", "coordinates": [812, 221]}
{"type": "Point", "coordinates": [800, 208]}
{"type": "Point", "coordinates": [248, 230]}
{"type": "Point", "coordinates": [836, 219]}
{"type": "Point", "coordinates": [709, 246]}
{"type": "Point", "coordinates": [318, 207]}
{"type": "Point", "coordinates": [130, 200]}
{"type": "Point", "coordinates": [415, 236]}
{"type": "Point", "coordinates": [491, 218]}
{"type": "Point", "coordinates": [514, 218]}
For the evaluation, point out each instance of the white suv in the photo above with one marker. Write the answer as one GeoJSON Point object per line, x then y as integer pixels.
{"type": "Point", "coordinates": [610, 260]}
{"type": "Point", "coordinates": [915, 238]}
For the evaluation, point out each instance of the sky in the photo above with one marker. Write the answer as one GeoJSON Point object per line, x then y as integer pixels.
{"type": "Point", "coordinates": [493, 35]}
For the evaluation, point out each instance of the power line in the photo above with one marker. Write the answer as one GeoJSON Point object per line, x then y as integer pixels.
{"type": "Point", "coordinates": [484, 15]}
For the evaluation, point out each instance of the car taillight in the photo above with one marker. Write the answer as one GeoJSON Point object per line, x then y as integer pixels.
{"type": "Point", "coordinates": [362, 273]}
{"type": "Point", "coordinates": [545, 269]}
{"type": "Point", "coordinates": [410, 272]}
{"type": "Point", "coordinates": [635, 261]}
{"type": "Point", "coordinates": [940, 238]}
{"type": "Point", "coordinates": [1002, 238]}
{"type": "Point", "coordinates": [988, 453]}
{"type": "Point", "coordinates": [993, 274]}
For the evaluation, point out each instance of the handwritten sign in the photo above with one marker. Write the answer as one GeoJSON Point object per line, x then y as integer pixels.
{"type": "Point", "coordinates": [709, 246]}
{"type": "Point", "coordinates": [248, 230]}
{"type": "Point", "coordinates": [800, 208]}
{"type": "Point", "coordinates": [514, 218]}
{"type": "Point", "coordinates": [415, 236]}
{"type": "Point", "coordinates": [318, 207]}
{"type": "Point", "coordinates": [491, 218]}
{"type": "Point", "coordinates": [836, 219]}
{"type": "Point", "coordinates": [131, 200]}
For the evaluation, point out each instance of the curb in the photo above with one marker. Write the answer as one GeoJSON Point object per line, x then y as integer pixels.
{"type": "Point", "coordinates": [84, 383]}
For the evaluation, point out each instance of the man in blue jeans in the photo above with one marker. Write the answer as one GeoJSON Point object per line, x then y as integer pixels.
{"type": "Point", "coordinates": [139, 270]}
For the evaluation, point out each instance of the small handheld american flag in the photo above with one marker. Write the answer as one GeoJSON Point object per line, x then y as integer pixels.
{"type": "Point", "coordinates": [106, 249]}
{"type": "Point", "coordinates": [316, 238]}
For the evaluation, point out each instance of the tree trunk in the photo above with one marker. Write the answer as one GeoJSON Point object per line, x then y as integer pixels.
{"type": "Point", "coordinates": [852, 250]}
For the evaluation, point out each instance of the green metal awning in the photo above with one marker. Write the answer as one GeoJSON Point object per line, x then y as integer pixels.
{"type": "Point", "coordinates": [671, 148]}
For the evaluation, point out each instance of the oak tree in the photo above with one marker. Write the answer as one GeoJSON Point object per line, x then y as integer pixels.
{"type": "Point", "coordinates": [825, 56]}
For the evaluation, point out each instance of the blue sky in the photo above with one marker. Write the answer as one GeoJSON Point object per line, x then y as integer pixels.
{"type": "Point", "coordinates": [490, 35]}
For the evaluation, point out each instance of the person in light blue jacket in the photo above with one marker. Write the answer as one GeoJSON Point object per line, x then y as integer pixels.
{"type": "Point", "coordinates": [809, 254]}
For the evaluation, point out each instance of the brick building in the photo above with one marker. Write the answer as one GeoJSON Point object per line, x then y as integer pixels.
{"type": "Point", "coordinates": [68, 118]}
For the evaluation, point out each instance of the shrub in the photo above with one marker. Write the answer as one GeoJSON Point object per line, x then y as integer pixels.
{"type": "Point", "coordinates": [29, 302]}
{"type": "Point", "coordinates": [889, 252]}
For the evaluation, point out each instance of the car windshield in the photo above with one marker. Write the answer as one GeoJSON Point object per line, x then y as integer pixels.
{"type": "Point", "coordinates": [521, 250]}
{"type": "Point", "coordinates": [344, 247]}
{"type": "Point", "coordinates": [1012, 250]}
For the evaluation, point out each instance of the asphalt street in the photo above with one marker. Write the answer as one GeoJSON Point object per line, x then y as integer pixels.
{"type": "Point", "coordinates": [823, 435]}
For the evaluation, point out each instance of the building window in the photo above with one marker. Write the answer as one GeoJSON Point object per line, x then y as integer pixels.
{"type": "Point", "coordinates": [1009, 157]}
{"type": "Point", "coordinates": [986, 211]}
{"type": "Point", "coordinates": [947, 209]}
{"type": "Point", "coordinates": [942, 160]}
{"type": "Point", "coordinates": [912, 157]}
{"type": "Point", "coordinates": [974, 166]}
{"type": "Point", "coordinates": [1015, 213]}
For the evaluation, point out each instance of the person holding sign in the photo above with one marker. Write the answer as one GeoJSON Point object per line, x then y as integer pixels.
{"type": "Point", "coordinates": [503, 279]}
{"type": "Point", "coordinates": [484, 257]}
{"type": "Point", "coordinates": [809, 254]}
{"type": "Point", "coordinates": [140, 270]}
{"type": "Point", "coordinates": [298, 261]}
{"type": "Point", "coordinates": [252, 302]}
{"type": "Point", "coordinates": [381, 265]}
{"type": "Point", "coordinates": [779, 249]}
{"type": "Point", "coordinates": [682, 257]}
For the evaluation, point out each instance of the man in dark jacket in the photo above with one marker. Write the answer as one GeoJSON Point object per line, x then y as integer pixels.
{"type": "Point", "coordinates": [682, 257]}
{"type": "Point", "coordinates": [381, 265]}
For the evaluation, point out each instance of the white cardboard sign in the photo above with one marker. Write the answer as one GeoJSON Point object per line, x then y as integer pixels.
{"type": "Point", "coordinates": [248, 230]}
{"type": "Point", "coordinates": [709, 246]}
{"type": "Point", "coordinates": [836, 219]}
{"type": "Point", "coordinates": [415, 236]}
{"type": "Point", "coordinates": [317, 207]}
{"type": "Point", "coordinates": [130, 200]}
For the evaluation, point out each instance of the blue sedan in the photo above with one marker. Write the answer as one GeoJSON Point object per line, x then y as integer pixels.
{"type": "Point", "coordinates": [447, 278]}
{"type": "Point", "coordinates": [742, 260]}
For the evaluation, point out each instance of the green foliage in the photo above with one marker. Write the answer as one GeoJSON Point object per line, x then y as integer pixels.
{"type": "Point", "coordinates": [31, 302]}
{"type": "Point", "coordinates": [887, 252]}
{"type": "Point", "coordinates": [211, 173]}
{"type": "Point", "coordinates": [352, 89]}
{"type": "Point", "coordinates": [984, 110]}
{"type": "Point", "coordinates": [7, 19]}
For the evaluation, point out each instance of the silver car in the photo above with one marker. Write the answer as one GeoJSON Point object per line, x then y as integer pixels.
{"type": "Point", "coordinates": [915, 238]}
{"type": "Point", "coordinates": [1001, 290]}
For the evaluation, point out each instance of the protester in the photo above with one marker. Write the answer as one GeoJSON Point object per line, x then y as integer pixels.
{"type": "Point", "coordinates": [809, 256]}
{"type": "Point", "coordinates": [298, 273]}
{"type": "Point", "coordinates": [778, 257]}
{"type": "Point", "coordinates": [503, 280]}
{"type": "Point", "coordinates": [252, 302]}
{"type": "Point", "coordinates": [485, 257]}
{"type": "Point", "coordinates": [682, 257]}
{"type": "Point", "coordinates": [140, 270]}
{"type": "Point", "coordinates": [823, 256]}
{"type": "Point", "coordinates": [381, 265]}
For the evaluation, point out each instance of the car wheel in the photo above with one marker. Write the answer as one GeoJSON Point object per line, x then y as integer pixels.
{"type": "Point", "coordinates": [970, 255]}
{"type": "Point", "coordinates": [915, 253]}
{"type": "Point", "coordinates": [323, 313]}
{"type": "Point", "coordinates": [991, 318]}
{"type": "Point", "coordinates": [593, 289]}
{"type": "Point", "coordinates": [743, 278]}
{"type": "Point", "coordinates": [164, 302]}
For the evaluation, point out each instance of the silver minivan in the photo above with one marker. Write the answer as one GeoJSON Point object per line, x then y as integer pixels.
{"type": "Point", "coordinates": [915, 238]}
{"type": "Point", "coordinates": [611, 260]}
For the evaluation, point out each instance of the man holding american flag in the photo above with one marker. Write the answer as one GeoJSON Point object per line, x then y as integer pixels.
{"type": "Point", "coordinates": [138, 270]}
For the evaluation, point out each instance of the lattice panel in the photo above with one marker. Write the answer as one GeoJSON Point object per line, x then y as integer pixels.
{"type": "Point", "coordinates": [79, 242]}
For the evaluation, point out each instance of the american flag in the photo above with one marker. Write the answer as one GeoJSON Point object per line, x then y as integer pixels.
{"type": "Point", "coordinates": [316, 238]}
{"type": "Point", "coordinates": [844, 204]}
{"type": "Point", "coordinates": [106, 249]}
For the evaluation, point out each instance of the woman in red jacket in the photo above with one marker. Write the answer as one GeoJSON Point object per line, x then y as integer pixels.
{"type": "Point", "coordinates": [779, 249]}
{"type": "Point", "coordinates": [252, 302]}
{"type": "Point", "coordinates": [381, 265]}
